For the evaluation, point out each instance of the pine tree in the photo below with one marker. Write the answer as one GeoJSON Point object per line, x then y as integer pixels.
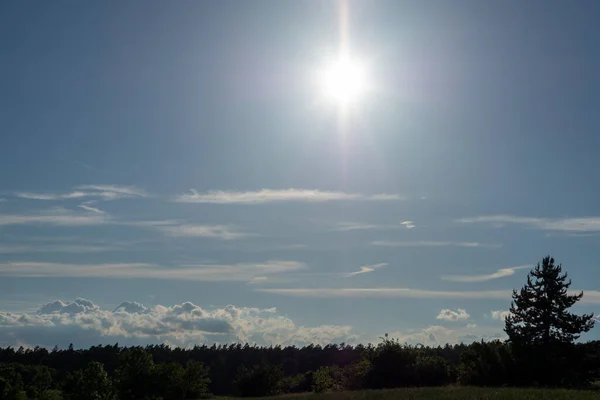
{"type": "Point", "coordinates": [539, 312]}
{"type": "Point", "coordinates": [541, 330]}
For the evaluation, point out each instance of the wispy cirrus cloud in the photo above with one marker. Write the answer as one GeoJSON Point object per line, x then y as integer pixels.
{"type": "Point", "coordinates": [102, 192]}
{"type": "Point", "coordinates": [589, 296]}
{"type": "Point", "coordinates": [432, 243]}
{"type": "Point", "coordinates": [87, 206]}
{"type": "Point", "coordinates": [383, 292]}
{"type": "Point", "coordinates": [451, 315]}
{"type": "Point", "coordinates": [501, 273]}
{"type": "Point", "coordinates": [56, 217]}
{"type": "Point", "coordinates": [178, 229]}
{"type": "Point", "coordinates": [274, 195]}
{"type": "Point", "coordinates": [366, 269]}
{"type": "Point", "coordinates": [347, 226]}
{"type": "Point", "coordinates": [57, 248]}
{"type": "Point", "coordinates": [210, 231]}
{"type": "Point", "coordinates": [580, 224]}
{"type": "Point", "coordinates": [197, 272]}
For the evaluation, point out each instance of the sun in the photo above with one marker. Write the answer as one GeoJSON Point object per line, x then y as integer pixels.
{"type": "Point", "coordinates": [344, 80]}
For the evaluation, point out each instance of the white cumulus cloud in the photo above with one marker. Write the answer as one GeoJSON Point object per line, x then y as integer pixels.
{"type": "Point", "coordinates": [451, 315]}
{"type": "Point", "coordinates": [83, 323]}
{"type": "Point", "coordinates": [500, 314]}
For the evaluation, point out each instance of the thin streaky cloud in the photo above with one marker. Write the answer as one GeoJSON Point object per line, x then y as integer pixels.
{"type": "Point", "coordinates": [86, 206]}
{"type": "Point", "coordinates": [355, 226]}
{"type": "Point", "coordinates": [53, 196]}
{"type": "Point", "coordinates": [57, 219]}
{"type": "Point", "coordinates": [270, 195]}
{"type": "Point", "coordinates": [580, 224]}
{"type": "Point", "coordinates": [589, 296]}
{"type": "Point", "coordinates": [211, 231]}
{"type": "Point", "coordinates": [118, 190]}
{"type": "Point", "coordinates": [366, 269]}
{"type": "Point", "coordinates": [389, 292]}
{"type": "Point", "coordinates": [501, 273]}
{"type": "Point", "coordinates": [56, 248]}
{"type": "Point", "coordinates": [197, 272]}
{"type": "Point", "coordinates": [431, 243]}
{"type": "Point", "coordinates": [103, 192]}
{"type": "Point", "coordinates": [408, 224]}
{"type": "Point", "coordinates": [178, 229]}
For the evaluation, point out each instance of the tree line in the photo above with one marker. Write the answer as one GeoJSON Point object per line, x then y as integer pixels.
{"type": "Point", "coordinates": [541, 350]}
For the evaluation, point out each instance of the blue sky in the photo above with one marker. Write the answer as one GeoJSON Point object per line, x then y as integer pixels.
{"type": "Point", "coordinates": [181, 155]}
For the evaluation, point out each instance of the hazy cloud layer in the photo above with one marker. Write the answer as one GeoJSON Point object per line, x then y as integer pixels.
{"type": "Point", "coordinates": [181, 229]}
{"type": "Point", "coordinates": [269, 195]}
{"type": "Point", "coordinates": [102, 192]}
{"type": "Point", "coordinates": [436, 335]}
{"type": "Point", "coordinates": [431, 243]}
{"type": "Point", "coordinates": [57, 248]}
{"type": "Point", "coordinates": [501, 273]}
{"type": "Point", "coordinates": [589, 297]}
{"type": "Point", "coordinates": [54, 217]}
{"type": "Point", "coordinates": [347, 226]}
{"type": "Point", "coordinates": [198, 272]}
{"type": "Point", "coordinates": [581, 224]}
{"type": "Point", "coordinates": [451, 315]}
{"type": "Point", "coordinates": [390, 292]}
{"type": "Point", "coordinates": [84, 324]}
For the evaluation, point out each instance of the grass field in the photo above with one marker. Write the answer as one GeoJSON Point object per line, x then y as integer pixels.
{"type": "Point", "coordinates": [452, 393]}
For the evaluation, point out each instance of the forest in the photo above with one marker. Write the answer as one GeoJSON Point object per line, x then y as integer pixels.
{"type": "Point", "coordinates": [541, 351]}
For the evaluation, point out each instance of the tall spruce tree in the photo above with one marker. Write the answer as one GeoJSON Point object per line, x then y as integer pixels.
{"type": "Point", "coordinates": [539, 312]}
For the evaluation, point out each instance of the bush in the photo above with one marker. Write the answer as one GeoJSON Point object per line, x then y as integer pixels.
{"type": "Point", "coordinates": [258, 381]}
{"type": "Point", "coordinates": [322, 380]}
{"type": "Point", "coordinates": [50, 395]}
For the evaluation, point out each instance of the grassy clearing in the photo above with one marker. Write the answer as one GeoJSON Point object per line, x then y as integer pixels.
{"type": "Point", "coordinates": [452, 393]}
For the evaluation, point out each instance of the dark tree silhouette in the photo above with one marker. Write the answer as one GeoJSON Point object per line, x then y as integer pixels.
{"type": "Point", "coordinates": [539, 312]}
{"type": "Point", "coordinates": [541, 329]}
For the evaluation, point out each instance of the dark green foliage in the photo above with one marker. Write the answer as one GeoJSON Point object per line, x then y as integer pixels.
{"type": "Point", "coordinates": [431, 371]}
{"type": "Point", "coordinates": [134, 377]}
{"type": "Point", "coordinates": [92, 383]}
{"type": "Point", "coordinates": [355, 376]}
{"type": "Point", "coordinates": [486, 364]}
{"type": "Point", "coordinates": [323, 380]}
{"type": "Point", "coordinates": [392, 365]}
{"type": "Point", "coordinates": [168, 381]}
{"type": "Point", "coordinates": [260, 380]}
{"type": "Point", "coordinates": [50, 394]}
{"type": "Point", "coordinates": [298, 383]}
{"type": "Point", "coordinates": [196, 380]}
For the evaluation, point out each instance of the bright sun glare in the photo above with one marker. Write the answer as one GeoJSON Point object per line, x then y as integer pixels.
{"type": "Point", "coordinates": [344, 80]}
